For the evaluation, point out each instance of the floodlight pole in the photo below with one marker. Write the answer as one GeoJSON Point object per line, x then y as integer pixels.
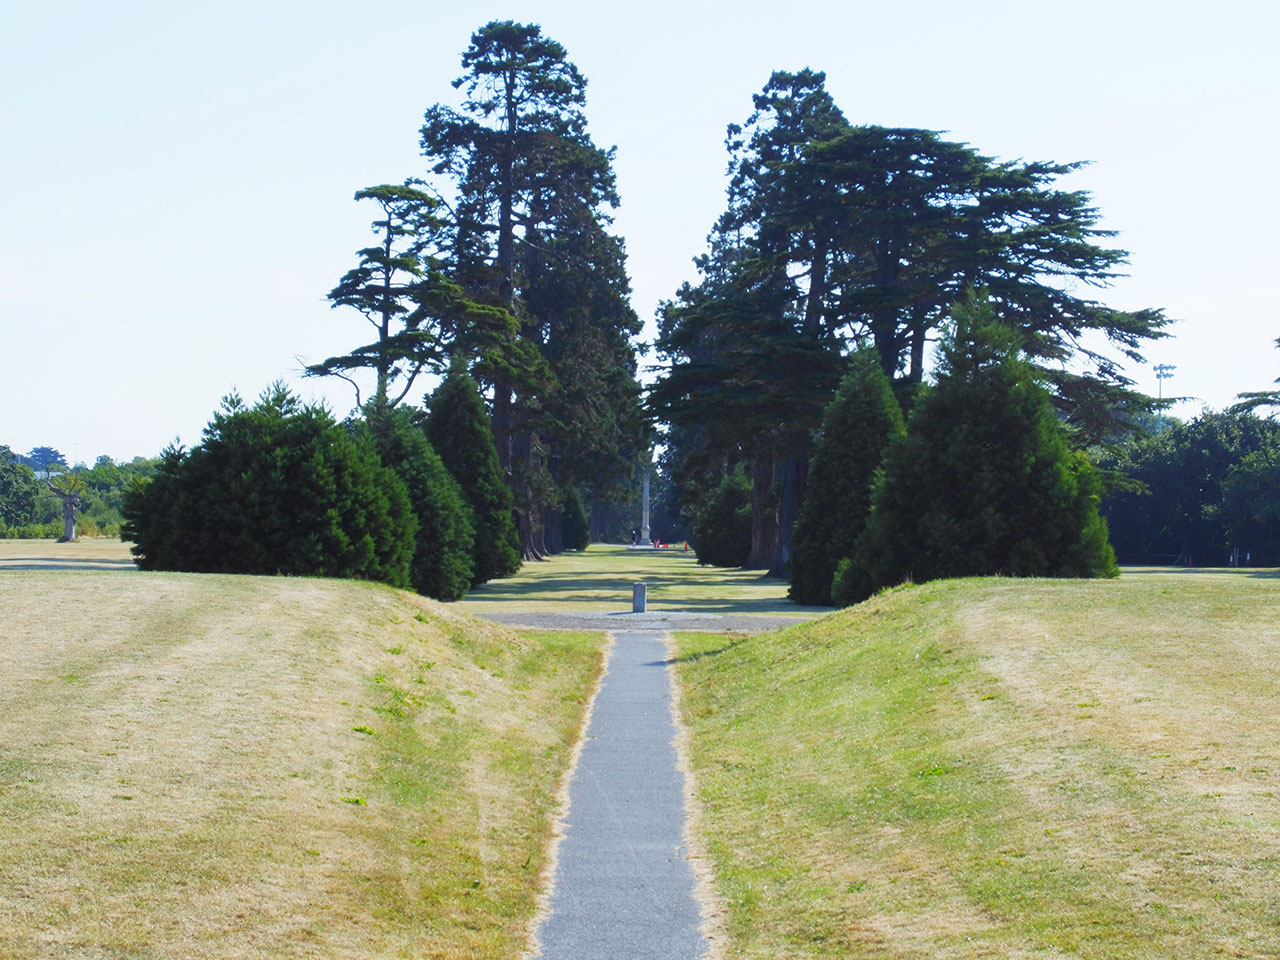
{"type": "Point", "coordinates": [1163, 372]}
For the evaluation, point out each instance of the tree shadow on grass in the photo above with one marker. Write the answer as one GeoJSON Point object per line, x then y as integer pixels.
{"type": "Point", "coordinates": [694, 657]}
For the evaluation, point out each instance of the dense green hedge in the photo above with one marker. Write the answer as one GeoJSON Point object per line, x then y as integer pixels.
{"type": "Point", "coordinates": [277, 488]}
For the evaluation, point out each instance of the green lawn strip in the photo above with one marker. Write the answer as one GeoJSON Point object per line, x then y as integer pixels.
{"type": "Point", "coordinates": [600, 578]}
{"type": "Point", "coordinates": [474, 795]}
{"type": "Point", "coordinates": [897, 780]}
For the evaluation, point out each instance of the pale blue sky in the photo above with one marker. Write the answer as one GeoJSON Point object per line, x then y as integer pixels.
{"type": "Point", "coordinates": [178, 178]}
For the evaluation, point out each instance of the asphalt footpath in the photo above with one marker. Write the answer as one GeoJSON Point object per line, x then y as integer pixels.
{"type": "Point", "coordinates": [623, 886]}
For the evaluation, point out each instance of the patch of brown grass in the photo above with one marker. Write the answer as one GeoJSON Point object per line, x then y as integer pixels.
{"type": "Point", "coordinates": [238, 767]}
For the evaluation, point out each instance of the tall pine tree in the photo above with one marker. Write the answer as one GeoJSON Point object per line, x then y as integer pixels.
{"type": "Point", "coordinates": [531, 194]}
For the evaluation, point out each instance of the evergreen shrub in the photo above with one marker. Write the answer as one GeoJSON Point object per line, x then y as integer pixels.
{"type": "Point", "coordinates": [458, 428]}
{"type": "Point", "coordinates": [722, 530]}
{"type": "Point", "coordinates": [442, 561]}
{"type": "Point", "coordinates": [856, 428]}
{"type": "Point", "coordinates": [277, 488]}
{"type": "Point", "coordinates": [576, 530]}
{"type": "Point", "coordinates": [983, 482]}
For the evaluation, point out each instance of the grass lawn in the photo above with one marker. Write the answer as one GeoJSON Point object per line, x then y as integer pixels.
{"type": "Point", "coordinates": [240, 767]}
{"type": "Point", "coordinates": [600, 578]}
{"type": "Point", "coordinates": [1000, 768]}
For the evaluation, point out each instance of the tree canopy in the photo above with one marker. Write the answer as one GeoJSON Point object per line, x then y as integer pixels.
{"type": "Point", "coordinates": [422, 318]}
{"type": "Point", "coordinates": [530, 195]}
{"type": "Point", "coordinates": [836, 236]}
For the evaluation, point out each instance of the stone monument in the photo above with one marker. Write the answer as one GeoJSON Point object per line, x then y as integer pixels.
{"type": "Point", "coordinates": [644, 510]}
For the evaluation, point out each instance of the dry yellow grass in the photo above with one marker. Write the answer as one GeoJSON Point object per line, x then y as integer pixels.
{"type": "Point", "coordinates": [1000, 768]}
{"type": "Point", "coordinates": [235, 767]}
{"type": "Point", "coordinates": [99, 553]}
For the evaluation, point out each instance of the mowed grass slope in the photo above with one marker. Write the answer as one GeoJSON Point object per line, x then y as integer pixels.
{"type": "Point", "coordinates": [238, 767]}
{"type": "Point", "coordinates": [1000, 768]}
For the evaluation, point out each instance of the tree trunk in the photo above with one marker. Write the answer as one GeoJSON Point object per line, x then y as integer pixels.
{"type": "Point", "coordinates": [70, 503]}
{"type": "Point", "coordinates": [502, 419]}
{"type": "Point", "coordinates": [764, 515]}
{"type": "Point", "coordinates": [795, 472]}
{"type": "Point", "coordinates": [69, 518]}
{"type": "Point", "coordinates": [528, 513]}
{"type": "Point", "coordinates": [553, 530]}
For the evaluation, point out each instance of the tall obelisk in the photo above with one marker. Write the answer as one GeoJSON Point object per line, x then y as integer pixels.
{"type": "Point", "coordinates": [644, 510]}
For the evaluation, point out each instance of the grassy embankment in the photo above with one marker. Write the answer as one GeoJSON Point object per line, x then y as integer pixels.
{"type": "Point", "coordinates": [600, 579]}
{"type": "Point", "coordinates": [1000, 768]}
{"type": "Point", "coordinates": [235, 767]}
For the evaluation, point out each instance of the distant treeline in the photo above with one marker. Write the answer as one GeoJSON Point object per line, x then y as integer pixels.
{"type": "Point", "coordinates": [29, 510]}
{"type": "Point", "coordinates": [1201, 493]}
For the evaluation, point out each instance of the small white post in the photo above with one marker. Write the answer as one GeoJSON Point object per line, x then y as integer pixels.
{"type": "Point", "coordinates": [637, 598]}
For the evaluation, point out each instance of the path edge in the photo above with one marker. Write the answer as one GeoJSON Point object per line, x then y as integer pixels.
{"type": "Point", "coordinates": [710, 906]}
{"type": "Point", "coordinates": [547, 880]}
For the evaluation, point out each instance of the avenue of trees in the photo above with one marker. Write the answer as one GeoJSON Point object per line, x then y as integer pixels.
{"type": "Point", "coordinates": [839, 239]}
{"type": "Point", "coordinates": [894, 365]}
{"type": "Point", "coordinates": [495, 270]}
{"type": "Point", "coordinates": [500, 261]}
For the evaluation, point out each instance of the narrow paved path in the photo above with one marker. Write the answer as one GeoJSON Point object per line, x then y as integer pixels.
{"type": "Point", "coordinates": [623, 887]}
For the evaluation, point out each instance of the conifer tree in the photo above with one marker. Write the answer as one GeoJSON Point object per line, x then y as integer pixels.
{"type": "Point", "coordinates": [722, 531]}
{"type": "Point", "coordinates": [983, 482]}
{"type": "Point", "coordinates": [530, 193]}
{"type": "Point", "coordinates": [442, 559]}
{"type": "Point", "coordinates": [856, 428]}
{"type": "Point", "coordinates": [577, 532]}
{"type": "Point", "coordinates": [277, 488]}
{"type": "Point", "coordinates": [458, 429]}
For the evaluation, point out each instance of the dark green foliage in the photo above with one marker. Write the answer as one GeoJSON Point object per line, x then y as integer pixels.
{"type": "Point", "coordinates": [983, 482]}
{"type": "Point", "coordinates": [856, 428]}
{"type": "Point", "coordinates": [530, 193]}
{"type": "Point", "coordinates": [1251, 504]}
{"type": "Point", "coordinates": [421, 316]}
{"type": "Point", "coordinates": [43, 459]}
{"type": "Point", "coordinates": [838, 235]}
{"type": "Point", "coordinates": [576, 531]}
{"type": "Point", "coordinates": [722, 531]}
{"type": "Point", "coordinates": [17, 490]}
{"type": "Point", "coordinates": [1203, 488]}
{"type": "Point", "coordinates": [442, 559]}
{"type": "Point", "coordinates": [277, 488]}
{"type": "Point", "coordinates": [458, 429]}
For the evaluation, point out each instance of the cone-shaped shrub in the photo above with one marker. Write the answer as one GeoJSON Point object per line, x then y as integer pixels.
{"type": "Point", "coordinates": [983, 482]}
{"type": "Point", "coordinates": [458, 429]}
{"type": "Point", "coordinates": [856, 428]}
{"type": "Point", "coordinates": [442, 560]}
{"type": "Point", "coordinates": [722, 531]}
{"type": "Point", "coordinates": [278, 487]}
{"type": "Point", "coordinates": [576, 531]}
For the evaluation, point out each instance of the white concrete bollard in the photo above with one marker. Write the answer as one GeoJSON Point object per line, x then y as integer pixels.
{"type": "Point", "coordinates": [637, 598]}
